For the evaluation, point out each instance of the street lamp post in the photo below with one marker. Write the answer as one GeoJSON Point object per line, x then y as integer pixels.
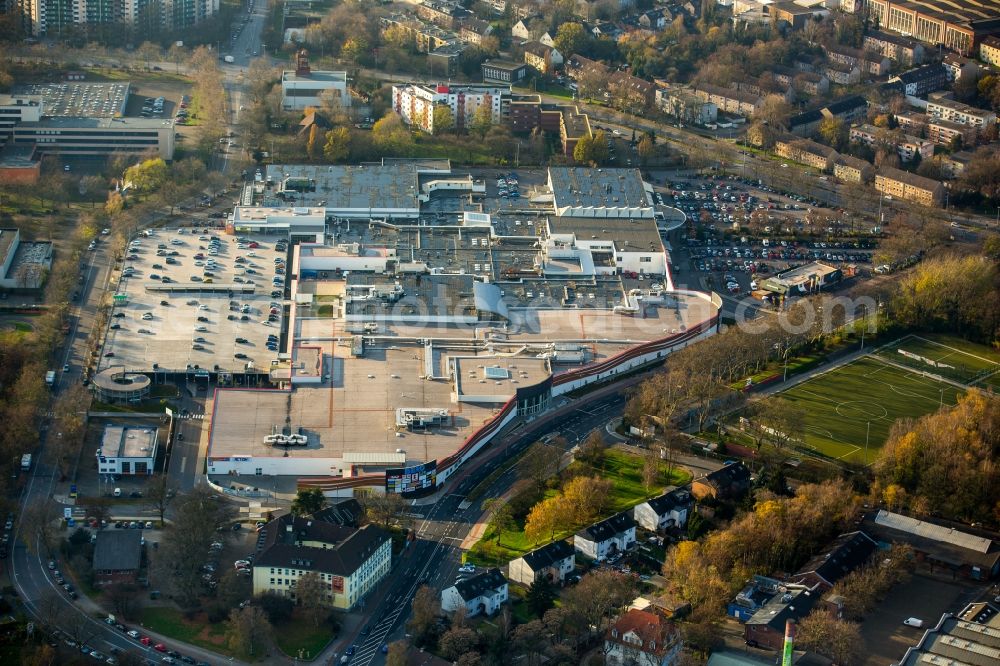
{"type": "Point", "coordinates": [868, 429]}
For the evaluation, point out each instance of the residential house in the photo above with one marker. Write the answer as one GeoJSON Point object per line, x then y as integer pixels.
{"type": "Point", "coordinates": [804, 151]}
{"type": "Point", "coordinates": [446, 59]}
{"type": "Point", "coordinates": [548, 40]}
{"type": "Point", "coordinates": [907, 146]}
{"type": "Point", "coordinates": [655, 19]}
{"type": "Point", "coordinates": [521, 31]}
{"type": "Point", "coordinates": [442, 12]}
{"type": "Point", "coordinates": [641, 638]}
{"type": "Point", "coordinates": [552, 562]}
{"type": "Point", "coordinates": [415, 103]}
{"type": "Point", "coordinates": [683, 104]}
{"type": "Point", "coordinates": [504, 72]}
{"type": "Point", "coordinates": [349, 561]}
{"type": "Point", "coordinates": [953, 164]}
{"type": "Point", "coordinates": [841, 74]}
{"type": "Point", "coordinates": [989, 51]}
{"type": "Point", "coordinates": [669, 510]}
{"type": "Point", "coordinates": [942, 108]}
{"type": "Point", "coordinates": [847, 553]}
{"type": "Point", "coordinates": [922, 80]}
{"type": "Point", "coordinates": [941, 548]}
{"type": "Point", "coordinates": [474, 30]}
{"type": "Point", "coordinates": [757, 592]}
{"type": "Point", "coordinates": [809, 83]}
{"type": "Point", "coordinates": [869, 63]}
{"type": "Point", "coordinates": [607, 30]}
{"type": "Point", "coordinates": [729, 482]}
{"type": "Point", "coordinates": [481, 594]}
{"type": "Point", "coordinates": [766, 627]}
{"type": "Point", "coordinates": [117, 557]}
{"type": "Point", "coordinates": [904, 50]}
{"type": "Point", "coordinates": [853, 170]}
{"type": "Point", "coordinates": [426, 37]}
{"type": "Point", "coordinates": [958, 67]}
{"type": "Point", "coordinates": [607, 537]}
{"type": "Point", "coordinates": [909, 186]}
{"type": "Point", "coordinates": [912, 122]}
{"type": "Point", "coordinates": [543, 58]}
{"type": "Point", "coordinates": [945, 133]}
{"type": "Point", "coordinates": [846, 108]}
{"type": "Point", "coordinates": [729, 100]}
{"type": "Point", "coordinates": [313, 118]}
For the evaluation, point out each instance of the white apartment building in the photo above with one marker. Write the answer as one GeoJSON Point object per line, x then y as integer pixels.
{"type": "Point", "coordinates": [963, 114]}
{"type": "Point", "coordinates": [415, 103]}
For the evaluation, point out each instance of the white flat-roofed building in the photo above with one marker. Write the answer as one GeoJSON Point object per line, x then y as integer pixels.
{"type": "Point", "coordinates": [16, 109]}
{"type": "Point", "coordinates": [956, 112]}
{"type": "Point", "coordinates": [303, 86]}
{"type": "Point", "coordinates": [299, 91]}
{"type": "Point", "coordinates": [614, 244]}
{"type": "Point", "coordinates": [127, 451]}
{"type": "Point", "coordinates": [75, 136]}
{"type": "Point", "coordinates": [301, 223]}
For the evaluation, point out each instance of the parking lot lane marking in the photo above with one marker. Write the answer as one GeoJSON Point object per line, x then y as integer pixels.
{"type": "Point", "coordinates": [183, 463]}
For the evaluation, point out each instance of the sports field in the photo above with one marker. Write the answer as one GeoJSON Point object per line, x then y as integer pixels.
{"type": "Point", "coordinates": [860, 401]}
{"type": "Point", "coordinates": [950, 357]}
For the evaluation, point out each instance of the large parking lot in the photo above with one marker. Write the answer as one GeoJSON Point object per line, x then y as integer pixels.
{"type": "Point", "coordinates": [197, 298]}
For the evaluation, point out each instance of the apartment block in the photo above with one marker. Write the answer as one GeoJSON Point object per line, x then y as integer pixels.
{"type": "Point", "coordinates": [904, 50]}
{"type": "Point", "coordinates": [909, 187]}
{"type": "Point", "coordinates": [853, 170]}
{"type": "Point", "coordinates": [962, 114]}
{"type": "Point", "coordinates": [729, 100]}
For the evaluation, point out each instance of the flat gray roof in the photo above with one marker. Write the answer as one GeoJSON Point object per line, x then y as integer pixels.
{"type": "Point", "coordinates": [597, 188]}
{"type": "Point", "coordinates": [634, 234]}
{"type": "Point", "coordinates": [314, 75]}
{"type": "Point", "coordinates": [364, 187]}
{"type": "Point", "coordinates": [121, 441]}
{"type": "Point", "coordinates": [79, 99]}
{"type": "Point", "coordinates": [99, 123]}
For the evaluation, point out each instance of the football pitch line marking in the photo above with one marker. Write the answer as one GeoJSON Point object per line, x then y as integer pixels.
{"type": "Point", "coordinates": [954, 350]}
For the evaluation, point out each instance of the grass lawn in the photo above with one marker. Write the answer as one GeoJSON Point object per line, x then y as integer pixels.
{"type": "Point", "coordinates": [841, 405]}
{"type": "Point", "coordinates": [197, 631]}
{"type": "Point", "coordinates": [298, 634]}
{"type": "Point", "coordinates": [624, 470]}
{"type": "Point", "coordinates": [111, 74]}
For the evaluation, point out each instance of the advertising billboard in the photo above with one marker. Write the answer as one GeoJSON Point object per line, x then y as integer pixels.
{"type": "Point", "coordinates": [404, 480]}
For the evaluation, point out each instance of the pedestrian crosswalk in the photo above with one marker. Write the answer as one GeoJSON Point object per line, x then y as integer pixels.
{"type": "Point", "coordinates": [190, 416]}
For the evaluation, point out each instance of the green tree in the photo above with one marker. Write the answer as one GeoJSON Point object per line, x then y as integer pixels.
{"type": "Point", "coordinates": [249, 631]}
{"type": "Point", "coordinates": [541, 596]}
{"type": "Point", "coordinates": [391, 136]}
{"type": "Point", "coordinates": [338, 144]}
{"type": "Point", "coordinates": [148, 175]}
{"type": "Point", "coordinates": [442, 119]}
{"type": "Point", "coordinates": [501, 518]}
{"type": "Point", "coordinates": [482, 120]}
{"type": "Point", "coordinates": [308, 501]}
{"type": "Point", "coordinates": [570, 39]}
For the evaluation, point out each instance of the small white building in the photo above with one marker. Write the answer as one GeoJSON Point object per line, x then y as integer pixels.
{"type": "Point", "coordinates": [304, 87]}
{"type": "Point", "coordinates": [601, 540]}
{"type": "Point", "coordinates": [127, 451]}
{"type": "Point", "coordinates": [484, 593]}
{"type": "Point", "coordinates": [666, 511]}
{"type": "Point", "coordinates": [553, 561]}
